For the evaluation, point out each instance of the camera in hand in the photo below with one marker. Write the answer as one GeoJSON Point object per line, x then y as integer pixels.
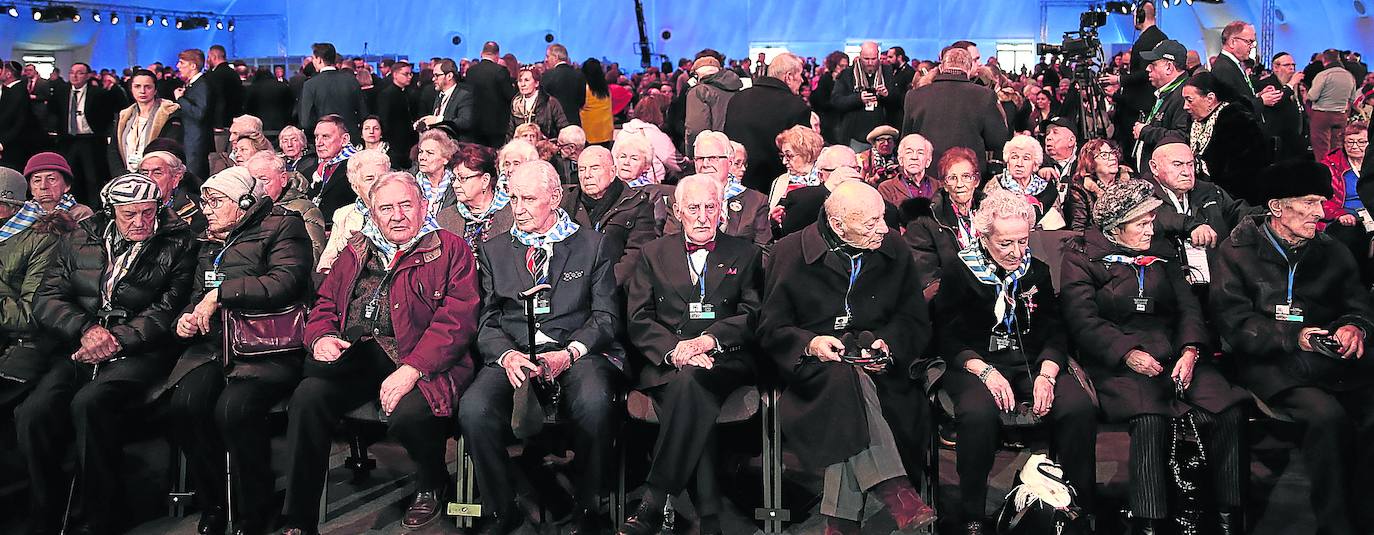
{"type": "Point", "coordinates": [858, 350]}
{"type": "Point", "coordinates": [1325, 345]}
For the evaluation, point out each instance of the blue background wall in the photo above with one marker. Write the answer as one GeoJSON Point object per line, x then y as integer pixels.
{"type": "Point", "coordinates": [606, 28]}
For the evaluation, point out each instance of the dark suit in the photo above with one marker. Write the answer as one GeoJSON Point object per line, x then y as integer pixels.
{"type": "Point", "coordinates": [271, 101]}
{"type": "Point", "coordinates": [952, 111]}
{"type": "Point", "coordinates": [1136, 95]}
{"type": "Point", "coordinates": [689, 398]}
{"type": "Point", "coordinates": [458, 110]}
{"type": "Point", "coordinates": [755, 117]}
{"type": "Point", "coordinates": [397, 117]}
{"type": "Point", "coordinates": [38, 98]}
{"type": "Point", "coordinates": [1230, 75]}
{"type": "Point", "coordinates": [584, 307]}
{"type": "Point", "coordinates": [492, 89]}
{"type": "Point", "coordinates": [628, 225]}
{"type": "Point", "coordinates": [333, 192]}
{"type": "Point", "coordinates": [197, 123]}
{"type": "Point", "coordinates": [228, 94]}
{"type": "Point", "coordinates": [569, 86]}
{"type": "Point", "coordinates": [746, 216]}
{"type": "Point", "coordinates": [1170, 118]}
{"type": "Point", "coordinates": [856, 122]}
{"type": "Point", "coordinates": [332, 92]}
{"type": "Point", "coordinates": [1286, 122]}
{"type": "Point", "coordinates": [18, 127]}
{"type": "Point", "coordinates": [85, 152]}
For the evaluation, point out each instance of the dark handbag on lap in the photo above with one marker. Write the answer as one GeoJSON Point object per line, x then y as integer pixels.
{"type": "Point", "coordinates": [251, 335]}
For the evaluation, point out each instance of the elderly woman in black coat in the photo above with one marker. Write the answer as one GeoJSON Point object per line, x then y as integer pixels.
{"type": "Point", "coordinates": [256, 257]}
{"type": "Point", "coordinates": [1140, 332]}
{"type": "Point", "coordinates": [1230, 146]}
{"type": "Point", "coordinates": [999, 326]}
{"type": "Point", "coordinates": [941, 226]}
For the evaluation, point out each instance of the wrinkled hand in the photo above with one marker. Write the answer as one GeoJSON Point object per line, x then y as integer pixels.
{"type": "Point", "coordinates": [397, 385]}
{"type": "Point", "coordinates": [1135, 130]}
{"type": "Point", "coordinates": [775, 214]}
{"type": "Point", "coordinates": [1347, 220]}
{"type": "Point", "coordinates": [1142, 363]}
{"type": "Point", "coordinates": [186, 325]}
{"type": "Point", "coordinates": [1270, 95]}
{"type": "Point", "coordinates": [1048, 173]}
{"type": "Point", "coordinates": [693, 352]}
{"type": "Point", "coordinates": [555, 363]}
{"type": "Point", "coordinates": [1183, 368]}
{"type": "Point", "coordinates": [205, 310]}
{"type": "Point", "coordinates": [878, 367]}
{"type": "Point", "coordinates": [1352, 341]}
{"type": "Point", "coordinates": [1296, 81]}
{"type": "Point", "coordinates": [931, 290]}
{"type": "Point", "coordinates": [516, 363]}
{"type": "Point", "coordinates": [97, 345]}
{"type": "Point", "coordinates": [329, 348]}
{"type": "Point", "coordinates": [1109, 79]}
{"type": "Point", "coordinates": [1043, 396]}
{"type": "Point", "coordinates": [825, 348]}
{"type": "Point", "coordinates": [1001, 391]}
{"type": "Point", "coordinates": [1204, 236]}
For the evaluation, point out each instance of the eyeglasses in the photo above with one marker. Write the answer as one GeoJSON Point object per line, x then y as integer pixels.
{"type": "Point", "coordinates": [1362, 143]}
{"type": "Point", "coordinates": [788, 155]}
{"type": "Point", "coordinates": [465, 178]}
{"type": "Point", "coordinates": [1109, 155]}
{"type": "Point", "coordinates": [213, 203]}
{"type": "Point", "coordinates": [711, 158]}
{"type": "Point", "coordinates": [964, 177]}
{"type": "Point", "coordinates": [1250, 42]}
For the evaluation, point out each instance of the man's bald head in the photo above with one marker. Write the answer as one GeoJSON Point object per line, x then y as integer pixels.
{"type": "Point", "coordinates": [1172, 164]}
{"type": "Point", "coordinates": [868, 56]}
{"type": "Point", "coordinates": [836, 156]}
{"type": "Point", "coordinates": [854, 211]}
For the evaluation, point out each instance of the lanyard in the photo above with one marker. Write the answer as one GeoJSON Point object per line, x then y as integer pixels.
{"type": "Point", "coordinates": [1159, 99]}
{"type": "Point", "coordinates": [700, 276]}
{"type": "Point", "coordinates": [220, 256]}
{"type": "Point", "coordinates": [1010, 317]}
{"type": "Point", "coordinates": [1140, 280]}
{"type": "Point", "coordinates": [856, 263]}
{"type": "Point", "coordinates": [1292, 266]}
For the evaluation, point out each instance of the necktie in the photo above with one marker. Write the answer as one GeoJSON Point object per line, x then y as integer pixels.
{"type": "Point", "coordinates": [694, 247]}
{"type": "Point", "coordinates": [73, 110]}
{"type": "Point", "coordinates": [536, 260]}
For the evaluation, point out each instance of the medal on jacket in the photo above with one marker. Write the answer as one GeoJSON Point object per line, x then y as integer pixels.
{"type": "Point", "coordinates": [736, 206]}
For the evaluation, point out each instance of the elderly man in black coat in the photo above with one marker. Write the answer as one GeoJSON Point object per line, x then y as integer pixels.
{"type": "Point", "coordinates": [696, 345]}
{"type": "Point", "coordinates": [575, 346]}
{"type": "Point", "coordinates": [1167, 117]}
{"type": "Point", "coordinates": [757, 115]}
{"type": "Point", "coordinates": [1289, 302]}
{"type": "Point", "coordinates": [603, 203]}
{"type": "Point", "coordinates": [115, 319]}
{"type": "Point", "coordinates": [1195, 215]}
{"type": "Point", "coordinates": [952, 111]}
{"type": "Point", "coordinates": [841, 323]}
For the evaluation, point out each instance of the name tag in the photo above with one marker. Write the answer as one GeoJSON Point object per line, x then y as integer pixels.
{"type": "Point", "coordinates": [1288, 313]}
{"type": "Point", "coordinates": [701, 311]}
{"type": "Point", "coordinates": [1366, 220]}
{"type": "Point", "coordinates": [541, 305]}
{"type": "Point", "coordinates": [1001, 342]}
{"type": "Point", "coordinates": [213, 279]}
{"type": "Point", "coordinates": [370, 310]}
{"type": "Point", "coordinates": [842, 322]}
{"type": "Point", "coordinates": [1144, 305]}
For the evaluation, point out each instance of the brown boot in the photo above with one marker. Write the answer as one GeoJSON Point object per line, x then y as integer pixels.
{"type": "Point", "coordinates": [841, 526]}
{"type": "Point", "coordinates": [905, 506]}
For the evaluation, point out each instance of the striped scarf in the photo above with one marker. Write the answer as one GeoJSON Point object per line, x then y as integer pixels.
{"type": "Point", "coordinates": [476, 224]}
{"type": "Point", "coordinates": [389, 250]}
{"type": "Point", "coordinates": [434, 194]}
{"type": "Point", "coordinates": [983, 270]}
{"type": "Point", "coordinates": [733, 188]}
{"type": "Point", "coordinates": [343, 155]}
{"type": "Point", "coordinates": [643, 180]}
{"type": "Point", "coordinates": [561, 230]}
{"type": "Point", "coordinates": [1036, 186]}
{"type": "Point", "coordinates": [29, 213]}
{"type": "Point", "coordinates": [812, 178]}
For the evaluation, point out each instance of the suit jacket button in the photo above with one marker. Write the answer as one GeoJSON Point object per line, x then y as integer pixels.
{"type": "Point", "coordinates": [396, 306]}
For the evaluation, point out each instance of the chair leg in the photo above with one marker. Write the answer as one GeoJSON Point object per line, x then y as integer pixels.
{"type": "Point", "coordinates": [771, 513]}
{"type": "Point", "coordinates": [358, 460]}
{"type": "Point", "coordinates": [180, 495]}
{"type": "Point", "coordinates": [229, 491]}
{"type": "Point", "coordinates": [465, 505]}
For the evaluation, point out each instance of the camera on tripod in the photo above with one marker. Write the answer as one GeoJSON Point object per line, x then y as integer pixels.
{"type": "Point", "coordinates": [1080, 44]}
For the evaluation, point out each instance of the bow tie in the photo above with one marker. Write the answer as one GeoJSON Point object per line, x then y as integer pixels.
{"type": "Point", "coordinates": [694, 247]}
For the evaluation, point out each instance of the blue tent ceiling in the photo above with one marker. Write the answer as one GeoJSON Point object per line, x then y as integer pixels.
{"type": "Point", "coordinates": [606, 28]}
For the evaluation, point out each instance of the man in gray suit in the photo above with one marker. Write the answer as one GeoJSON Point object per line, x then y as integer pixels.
{"type": "Point", "coordinates": [575, 343]}
{"type": "Point", "coordinates": [331, 92]}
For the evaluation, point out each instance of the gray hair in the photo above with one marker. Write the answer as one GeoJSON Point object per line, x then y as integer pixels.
{"type": "Point", "coordinates": [713, 136]}
{"type": "Point", "coordinates": [633, 142]}
{"type": "Point", "coordinates": [956, 59]}
{"type": "Point", "coordinates": [573, 134]}
{"type": "Point", "coordinates": [1025, 143]}
{"type": "Point", "coordinates": [290, 131]}
{"type": "Point", "coordinates": [915, 139]}
{"type": "Point", "coordinates": [833, 152]}
{"type": "Point", "coordinates": [784, 64]}
{"type": "Point", "coordinates": [698, 181]}
{"type": "Point", "coordinates": [253, 123]}
{"type": "Point", "coordinates": [738, 148]}
{"type": "Point", "coordinates": [518, 147]}
{"type": "Point", "coordinates": [395, 177]}
{"type": "Point", "coordinates": [1001, 204]}
{"type": "Point", "coordinates": [542, 170]}
{"type": "Point", "coordinates": [364, 158]}
{"type": "Point", "coordinates": [174, 163]}
{"type": "Point", "coordinates": [268, 158]}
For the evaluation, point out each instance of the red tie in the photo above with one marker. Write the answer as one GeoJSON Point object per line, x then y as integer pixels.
{"type": "Point", "coordinates": [694, 247]}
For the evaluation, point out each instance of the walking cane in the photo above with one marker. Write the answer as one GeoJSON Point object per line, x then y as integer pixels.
{"type": "Point", "coordinates": [529, 297]}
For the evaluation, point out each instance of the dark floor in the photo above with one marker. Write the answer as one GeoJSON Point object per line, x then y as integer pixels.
{"type": "Point", "coordinates": [1277, 501]}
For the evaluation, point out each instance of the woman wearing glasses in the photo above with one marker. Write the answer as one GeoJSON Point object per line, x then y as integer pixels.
{"type": "Point", "coordinates": [1099, 166]}
{"type": "Point", "coordinates": [942, 225]}
{"type": "Point", "coordinates": [1350, 221]}
{"type": "Point", "coordinates": [481, 209]}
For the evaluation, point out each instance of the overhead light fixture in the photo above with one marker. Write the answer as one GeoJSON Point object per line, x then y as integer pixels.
{"type": "Point", "coordinates": [219, 24]}
{"type": "Point", "coordinates": [12, 10]}
{"type": "Point", "coordinates": [76, 17]}
{"type": "Point", "coordinates": [95, 16]}
{"type": "Point", "coordinates": [180, 24]}
{"type": "Point", "coordinates": [53, 14]}
{"type": "Point", "coordinates": [192, 23]}
{"type": "Point", "coordinates": [114, 18]}
{"type": "Point", "coordinates": [37, 14]}
{"type": "Point", "coordinates": [164, 20]}
{"type": "Point", "coordinates": [231, 25]}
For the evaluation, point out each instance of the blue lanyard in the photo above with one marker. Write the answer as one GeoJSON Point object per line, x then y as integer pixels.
{"type": "Point", "coordinates": [856, 263]}
{"type": "Point", "coordinates": [1140, 280]}
{"type": "Point", "coordinates": [1010, 318]}
{"type": "Point", "coordinates": [1292, 266]}
{"type": "Point", "coordinates": [220, 256]}
{"type": "Point", "coordinates": [701, 277]}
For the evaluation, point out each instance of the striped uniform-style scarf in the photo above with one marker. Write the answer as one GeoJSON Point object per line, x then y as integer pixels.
{"type": "Point", "coordinates": [643, 180]}
{"type": "Point", "coordinates": [434, 194]}
{"type": "Point", "coordinates": [811, 178]}
{"type": "Point", "coordinates": [561, 230]}
{"type": "Point", "coordinates": [476, 223]}
{"type": "Point", "coordinates": [1036, 186]}
{"type": "Point", "coordinates": [318, 176]}
{"type": "Point", "coordinates": [29, 213]}
{"type": "Point", "coordinates": [389, 250]}
{"type": "Point", "coordinates": [983, 270]}
{"type": "Point", "coordinates": [733, 188]}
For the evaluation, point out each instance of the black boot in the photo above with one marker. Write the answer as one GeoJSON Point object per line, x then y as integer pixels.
{"type": "Point", "coordinates": [588, 523]}
{"type": "Point", "coordinates": [212, 522]}
{"type": "Point", "coordinates": [1231, 522]}
{"type": "Point", "coordinates": [974, 527]}
{"type": "Point", "coordinates": [1143, 526]}
{"type": "Point", "coordinates": [648, 517]}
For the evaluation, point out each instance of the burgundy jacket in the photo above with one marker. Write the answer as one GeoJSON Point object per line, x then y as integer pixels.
{"type": "Point", "coordinates": [434, 304]}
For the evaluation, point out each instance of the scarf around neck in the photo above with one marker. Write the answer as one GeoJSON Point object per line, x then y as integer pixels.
{"type": "Point", "coordinates": [985, 271]}
{"type": "Point", "coordinates": [388, 250]}
{"type": "Point", "coordinates": [1037, 185]}
{"type": "Point", "coordinates": [29, 213]}
{"type": "Point", "coordinates": [1200, 136]}
{"type": "Point", "coordinates": [564, 228]}
{"type": "Point", "coordinates": [434, 194]}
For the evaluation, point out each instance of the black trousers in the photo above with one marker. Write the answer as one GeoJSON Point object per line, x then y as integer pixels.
{"type": "Point", "coordinates": [1338, 451]}
{"type": "Point", "coordinates": [68, 404]}
{"type": "Point", "coordinates": [319, 403]}
{"type": "Point", "coordinates": [1072, 418]}
{"type": "Point", "coordinates": [90, 168]}
{"type": "Point", "coordinates": [688, 406]}
{"type": "Point", "coordinates": [1151, 480]}
{"type": "Point", "coordinates": [210, 416]}
{"type": "Point", "coordinates": [588, 398]}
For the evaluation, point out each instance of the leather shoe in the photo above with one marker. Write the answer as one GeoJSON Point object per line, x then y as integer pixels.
{"type": "Point", "coordinates": [904, 504]}
{"type": "Point", "coordinates": [212, 522]}
{"type": "Point", "coordinates": [1230, 523]}
{"type": "Point", "coordinates": [588, 523]}
{"type": "Point", "coordinates": [646, 520]}
{"type": "Point", "coordinates": [974, 527]}
{"type": "Point", "coordinates": [1143, 526]}
{"type": "Point", "coordinates": [423, 510]}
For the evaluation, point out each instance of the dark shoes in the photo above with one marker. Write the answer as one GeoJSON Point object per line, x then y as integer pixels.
{"type": "Point", "coordinates": [588, 523]}
{"type": "Point", "coordinates": [212, 522]}
{"type": "Point", "coordinates": [423, 510]}
{"type": "Point", "coordinates": [974, 527]}
{"type": "Point", "coordinates": [646, 520]}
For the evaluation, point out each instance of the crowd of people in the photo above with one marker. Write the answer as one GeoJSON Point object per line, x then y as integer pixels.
{"type": "Point", "coordinates": [470, 243]}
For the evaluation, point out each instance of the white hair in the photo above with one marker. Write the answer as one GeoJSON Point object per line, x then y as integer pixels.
{"type": "Point", "coordinates": [698, 181]}
{"type": "Point", "coordinates": [738, 148]}
{"type": "Point", "coordinates": [518, 147]}
{"type": "Point", "coordinates": [1025, 143]}
{"type": "Point", "coordinates": [395, 177]}
{"type": "Point", "coordinates": [1001, 204]}
{"type": "Point", "coordinates": [542, 170]}
{"type": "Point", "coordinates": [851, 197]}
{"type": "Point", "coordinates": [713, 136]}
{"type": "Point", "coordinates": [633, 142]}
{"type": "Point", "coordinates": [917, 140]}
{"type": "Point", "coordinates": [173, 163]}
{"type": "Point", "coordinates": [573, 134]}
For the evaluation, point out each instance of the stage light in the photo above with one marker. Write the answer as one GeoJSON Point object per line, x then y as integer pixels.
{"type": "Point", "coordinates": [13, 11]}
{"type": "Point", "coordinates": [231, 25]}
{"type": "Point", "coordinates": [37, 14]}
{"type": "Point", "coordinates": [219, 24]}
{"type": "Point", "coordinates": [95, 16]}
{"type": "Point", "coordinates": [76, 17]}
{"type": "Point", "coordinates": [147, 21]}
{"type": "Point", "coordinates": [53, 14]}
{"type": "Point", "coordinates": [180, 24]}
{"type": "Point", "coordinates": [164, 22]}
{"type": "Point", "coordinates": [114, 19]}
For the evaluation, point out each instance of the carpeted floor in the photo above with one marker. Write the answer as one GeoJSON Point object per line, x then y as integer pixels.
{"type": "Point", "coordinates": [1277, 493]}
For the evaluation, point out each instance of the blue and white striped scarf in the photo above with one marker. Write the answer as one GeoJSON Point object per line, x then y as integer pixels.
{"type": "Point", "coordinates": [434, 194]}
{"type": "Point", "coordinates": [561, 230]}
{"type": "Point", "coordinates": [29, 213]}
{"type": "Point", "coordinates": [499, 200]}
{"type": "Point", "coordinates": [812, 178]}
{"type": "Point", "coordinates": [733, 188]}
{"type": "Point", "coordinates": [1036, 185]}
{"type": "Point", "coordinates": [389, 250]}
{"type": "Point", "coordinates": [344, 154]}
{"type": "Point", "coordinates": [982, 269]}
{"type": "Point", "coordinates": [643, 180]}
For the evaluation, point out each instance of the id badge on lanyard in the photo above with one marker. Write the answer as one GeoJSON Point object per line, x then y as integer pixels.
{"type": "Point", "coordinates": [856, 263]}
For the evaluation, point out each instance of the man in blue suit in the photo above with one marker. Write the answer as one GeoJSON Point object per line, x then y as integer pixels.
{"type": "Point", "coordinates": [332, 92]}
{"type": "Point", "coordinates": [196, 120]}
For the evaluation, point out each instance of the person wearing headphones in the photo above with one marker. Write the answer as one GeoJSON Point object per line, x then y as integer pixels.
{"type": "Point", "coordinates": [256, 259]}
{"type": "Point", "coordinates": [109, 301]}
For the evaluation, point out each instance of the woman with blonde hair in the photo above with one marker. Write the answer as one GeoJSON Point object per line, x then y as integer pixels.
{"type": "Point", "coordinates": [799, 147]}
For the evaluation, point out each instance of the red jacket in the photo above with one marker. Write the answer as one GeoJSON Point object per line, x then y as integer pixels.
{"type": "Point", "coordinates": [1334, 207]}
{"type": "Point", "coordinates": [434, 304]}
